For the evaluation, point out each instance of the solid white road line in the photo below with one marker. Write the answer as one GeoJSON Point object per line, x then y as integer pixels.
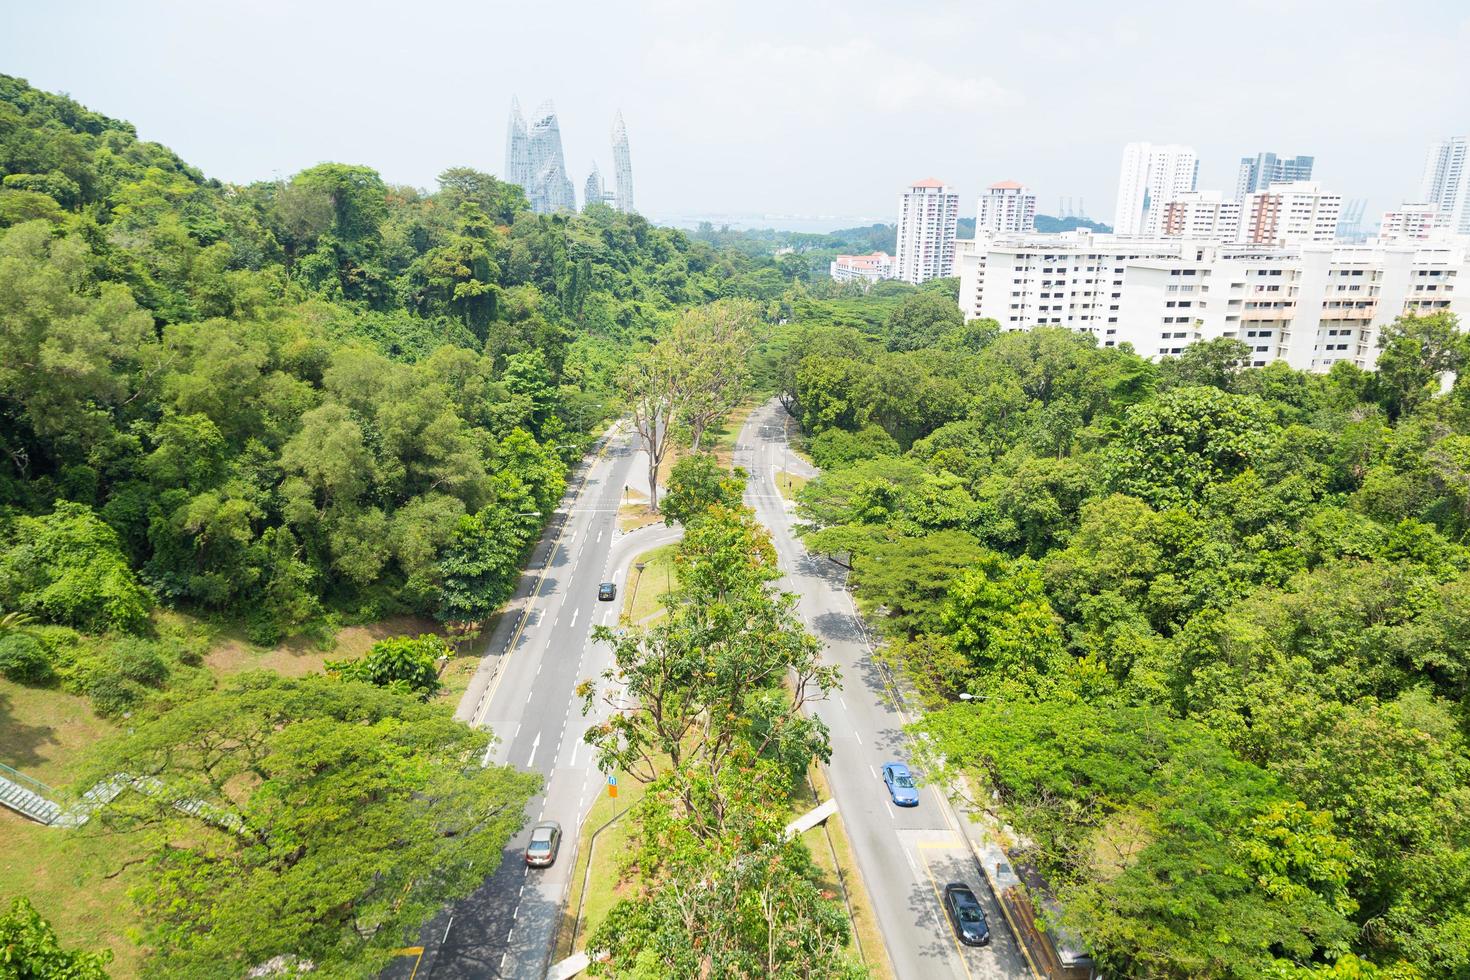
{"type": "Point", "coordinates": [872, 770]}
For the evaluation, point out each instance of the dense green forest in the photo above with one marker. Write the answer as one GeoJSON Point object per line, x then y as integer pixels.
{"type": "Point", "coordinates": [283, 407]}
{"type": "Point", "coordinates": [320, 398]}
{"type": "Point", "coordinates": [1211, 622]}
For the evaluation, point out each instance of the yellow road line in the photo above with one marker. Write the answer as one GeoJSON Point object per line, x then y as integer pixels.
{"type": "Point", "coordinates": [960, 950]}
{"type": "Point", "coordinates": [412, 951]}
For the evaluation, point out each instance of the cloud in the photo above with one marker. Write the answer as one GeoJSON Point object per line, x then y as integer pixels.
{"type": "Point", "coordinates": [855, 73]}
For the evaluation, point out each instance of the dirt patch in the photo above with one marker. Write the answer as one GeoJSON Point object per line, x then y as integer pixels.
{"type": "Point", "coordinates": [299, 656]}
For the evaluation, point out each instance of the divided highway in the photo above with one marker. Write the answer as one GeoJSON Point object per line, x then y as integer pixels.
{"type": "Point", "coordinates": [525, 693]}
{"type": "Point", "coordinates": [905, 855]}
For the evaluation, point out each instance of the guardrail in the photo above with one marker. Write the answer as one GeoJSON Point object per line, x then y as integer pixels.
{"type": "Point", "coordinates": [34, 785]}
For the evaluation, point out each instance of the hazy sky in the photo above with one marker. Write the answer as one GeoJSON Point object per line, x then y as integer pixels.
{"type": "Point", "coordinates": [794, 107]}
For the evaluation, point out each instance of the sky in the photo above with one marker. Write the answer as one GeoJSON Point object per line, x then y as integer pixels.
{"type": "Point", "coordinates": [802, 109]}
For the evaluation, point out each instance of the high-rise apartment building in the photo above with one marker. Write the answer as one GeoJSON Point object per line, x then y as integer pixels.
{"type": "Point", "coordinates": [1286, 214]}
{"type": "Point", "coordinates": [1200, 214]}
{"type": "Point", "coordinates": [927, 215]}
{"type": "Point", "coordinates": [1150, 177]}
{"type": "Point", "coordinates": [1309, 305]}
{"type": "Point", "coordinates": [1259, 172]}
{"type": "Point", "coordinates": [1006, 207]}
{"type": "Point", "coordinates": [1446, 183]}
{"type": "Point", "coordinates": [622, 166]}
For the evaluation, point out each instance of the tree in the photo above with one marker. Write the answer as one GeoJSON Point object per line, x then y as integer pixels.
{"type": "Point", "coordinates": [713, 345]}
{"type": "Point", "coordinates": [334, 818]}
{"type": "Point", "coordinates": [481, 564]}
{"type": "Point", "coordinates": [723, 678]}
{"type": "Point", "coordinates": [68, 567]}
{"type": "Point", "coordinates": [1414, 352]}
{"type": "Point", "coordinates": [921, 320]}
{"type": "Point", "coordinates": [654, 388]}
{"type": "Point", "coordinates": [998, 615]}
{"type": "Point", "coordinates": [698, 482]}
{"type": "Point", "coordinates": [1175, 858]}
{"type": "Point", "coordinates": [1216, 363]}
{"type": "Point", "coordinates": [399, 662]}
{"type": "Point", "coordinates": [1172, 448]}
{"type": "Point", "coordinates": [31, 950]}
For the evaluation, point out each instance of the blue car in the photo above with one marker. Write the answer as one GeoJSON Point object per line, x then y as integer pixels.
{"type": "Point", "coordinates": [900, 784]}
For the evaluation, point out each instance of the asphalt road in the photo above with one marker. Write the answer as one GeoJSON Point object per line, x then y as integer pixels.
{"type": "Point", "coordinates": [905, 855]}
{"type": "Point", "coordinates": [525, 693]}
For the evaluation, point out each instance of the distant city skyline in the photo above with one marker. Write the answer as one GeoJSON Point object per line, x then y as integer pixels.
{"type": "Point", "coordinates": [886, 95]}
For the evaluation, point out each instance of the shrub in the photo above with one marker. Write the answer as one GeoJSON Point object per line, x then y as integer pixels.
{"type": "Point", "coordinates": [24, 660]}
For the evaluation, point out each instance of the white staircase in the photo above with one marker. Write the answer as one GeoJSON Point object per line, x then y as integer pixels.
{"type": "Point", "coordinates": [24, 795]}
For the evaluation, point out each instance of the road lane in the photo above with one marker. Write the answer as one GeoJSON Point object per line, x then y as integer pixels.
{"type": "Point", "coordinates": [898, 850]}
{"type": "Point", "coordinates": [525, 694]}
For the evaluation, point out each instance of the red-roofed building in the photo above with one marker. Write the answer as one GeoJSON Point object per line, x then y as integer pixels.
{"type": "Point", "coordinates": [862, 268]}
{"type": "Point", "coordinates": [1006, 207]}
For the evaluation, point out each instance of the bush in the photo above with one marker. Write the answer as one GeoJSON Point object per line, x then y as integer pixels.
{"type": "Point", "coordinates": [24, 660]}
{"type": "Point", "coordinates": [834, 448]}
{"type": "Point", "coordinates": [400, 662]}
{"type": "Point", "coordinates": [68, 566]}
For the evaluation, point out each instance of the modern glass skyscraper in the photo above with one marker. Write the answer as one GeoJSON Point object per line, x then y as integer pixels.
{"type": "Point", "coordinates": [517, 148]}
{"type": "Point", "coordinates": [593, 192]}
{"type": "Point", "coordinates": [622, 165]}
{"type": "Point", "coordinates": [1258, 173]}
{"type": "Point", "coordinates": [533, 159]}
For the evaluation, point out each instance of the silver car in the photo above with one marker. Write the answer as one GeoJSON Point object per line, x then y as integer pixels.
{"type": "Point", "coordinates": [545, 839]}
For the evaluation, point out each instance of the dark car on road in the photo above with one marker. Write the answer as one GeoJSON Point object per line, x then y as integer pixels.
{"type": "Point", "coordinates": [900, 783]}
{"type": "Point", "coordinates": [545, 839]}
{"type": "Point", "coordinates": [607, 592]}
{"type": "Point", "coordinates": [966, 915]}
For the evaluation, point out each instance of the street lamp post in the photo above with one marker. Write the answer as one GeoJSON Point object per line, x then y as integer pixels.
{"type": "Point", "coordinates": [633, 599]}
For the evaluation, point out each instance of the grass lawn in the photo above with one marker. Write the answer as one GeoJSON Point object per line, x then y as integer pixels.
{"type": "Point", "coordinates": [635, 515]}
{"type": "Point", "coordinates": [602, 884]}
{"type": "Point", "coordinates": [44, 730]}
{"type": "Point", "coordinates": [603, 888]}
{"type": "Point", "coordinates": [824, 842]}
{"type": "Point", "coordinates": [64, 874]}
{"type": "Point", "coordinates": [641, 593]}
{"type": "Point", "coordinates": [46, 733]}
{"type": "Point", "coordinates": [789, 483]}
{"type": "Point", "coordinates": [298, 656]}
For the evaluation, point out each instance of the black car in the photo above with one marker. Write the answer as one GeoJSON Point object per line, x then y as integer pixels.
{"type": "Point", "coordinates": [607, 592]}
{"type": "Point", "coordinates": [966, 915]}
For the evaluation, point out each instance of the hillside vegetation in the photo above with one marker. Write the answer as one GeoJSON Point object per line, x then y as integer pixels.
{"type": "Point", "coordinates": [1212, 621]}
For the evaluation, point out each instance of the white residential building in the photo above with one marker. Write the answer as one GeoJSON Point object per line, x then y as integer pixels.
{"type": "Point", "coordinates": [1409, 223]}
{"type": "Point", "coordinates": [864, 268]}
{"type": "Point", "coordinates": [1201, 214]}
{"type": "Point", "coordinates": [1006, 207]}
{"type": "Point", "coordinates": [927, 215]}
{"type": "Point", "coordinates": [1285, 214]}
{"type": "Point", "coordinates": [1310, 304]}
{"type": "Point", "coordinates": [1446, 183]}
{"type": "Point", "coordinates": [1150, 177]}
